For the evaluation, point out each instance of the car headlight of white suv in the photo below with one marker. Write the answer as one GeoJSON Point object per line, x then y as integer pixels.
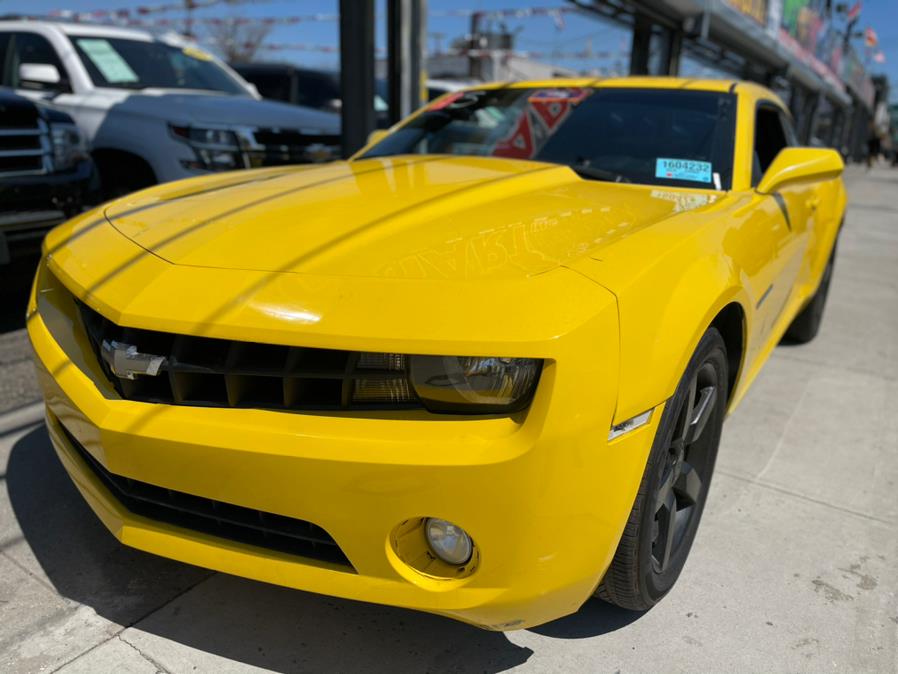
{"type": "Point", "coordinates": [217, 149]}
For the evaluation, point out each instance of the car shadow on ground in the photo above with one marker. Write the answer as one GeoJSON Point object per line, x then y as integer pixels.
{"type": "Point", "coordinates": [258, 624]}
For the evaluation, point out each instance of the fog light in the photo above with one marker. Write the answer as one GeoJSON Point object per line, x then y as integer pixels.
{"type": "Point", "coordinates": [449, 542]}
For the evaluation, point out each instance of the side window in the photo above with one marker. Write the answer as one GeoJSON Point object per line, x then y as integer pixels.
{"type": "Point", "coordinates": [789, 128]}
{"type": "Point", "coordinates": [770, 138]}
{"type": "Point", "coordinates": [32, 48]}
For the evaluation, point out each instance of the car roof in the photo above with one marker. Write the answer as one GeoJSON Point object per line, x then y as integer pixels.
{"type": "Point", "coordinates": [639, 82]}
{"type": "Point", "coordinates": [71, 28]}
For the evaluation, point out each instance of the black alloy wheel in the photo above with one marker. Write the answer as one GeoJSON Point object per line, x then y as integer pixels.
{"type": "Point", "coordinates": [674, 488]}
{"type": "Point", "coordinates": [687, 469]}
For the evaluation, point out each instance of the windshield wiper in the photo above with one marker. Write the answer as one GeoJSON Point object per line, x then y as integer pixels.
{"type": "Point", "coordinates": [593, 173]}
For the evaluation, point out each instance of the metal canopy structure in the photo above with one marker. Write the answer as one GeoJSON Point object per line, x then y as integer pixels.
{"type": "Point", "coordinates": [747, 41]}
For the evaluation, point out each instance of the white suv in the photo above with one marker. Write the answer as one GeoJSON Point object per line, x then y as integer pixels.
{"type": "Point", "coordinates": [156, 108]}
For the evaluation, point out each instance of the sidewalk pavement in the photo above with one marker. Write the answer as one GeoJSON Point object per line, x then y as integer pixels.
{"type": "Point", "coordinates": [793, 569]}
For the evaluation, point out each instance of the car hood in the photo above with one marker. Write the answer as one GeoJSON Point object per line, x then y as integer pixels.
{"type": "Point", "coordinates": [186, 108]}
{"type": "Point", "coordinates": [409, 217]}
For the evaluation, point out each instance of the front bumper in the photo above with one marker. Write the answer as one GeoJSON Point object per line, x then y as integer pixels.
{"type": "Point", "coordinates": [543, 494]}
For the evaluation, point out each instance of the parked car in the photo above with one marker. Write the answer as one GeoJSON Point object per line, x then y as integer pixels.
{"type": "Point", "coordinates": [46, 174]}
{"type": "Point", "coordinates": [480, 370]}
{"type": "Point", "coordinates": [156, 109]}
{"type": "Point", "coordinates": [319, 89]}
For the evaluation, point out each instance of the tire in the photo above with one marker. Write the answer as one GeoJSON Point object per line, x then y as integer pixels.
{"type": "Point", "coordinates": [675, 484]}
{"type": "Point", "coordinates": [806, 324]}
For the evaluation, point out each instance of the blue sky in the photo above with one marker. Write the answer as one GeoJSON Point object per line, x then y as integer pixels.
{"type": "Point", "coordinates": [536, 33]}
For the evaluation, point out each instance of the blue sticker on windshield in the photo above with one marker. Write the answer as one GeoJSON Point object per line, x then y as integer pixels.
{"type": "Point", "coordinates": [683, 169]}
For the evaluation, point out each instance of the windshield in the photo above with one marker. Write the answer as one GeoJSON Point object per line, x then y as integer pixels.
{"type": "Point", "coordinates": [650, 136]}
{"type": "Point", "coordinates": [133, 64]}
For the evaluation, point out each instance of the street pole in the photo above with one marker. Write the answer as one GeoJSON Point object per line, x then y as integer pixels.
{"type": "Point", "coordinates": [356, 73]}
{"type": "Point", "coordinates": [406, 35]}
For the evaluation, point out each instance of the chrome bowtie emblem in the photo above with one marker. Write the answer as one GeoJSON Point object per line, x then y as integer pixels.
{"type": "Point", "coordinates": [127, 362]}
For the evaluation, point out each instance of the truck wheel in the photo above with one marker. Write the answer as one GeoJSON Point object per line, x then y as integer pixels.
{"type": "Point", "coordinates": [668, 507]}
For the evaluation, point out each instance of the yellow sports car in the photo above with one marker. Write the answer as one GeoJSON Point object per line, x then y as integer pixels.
{"type": "Point", "coordinates": [480, 369]}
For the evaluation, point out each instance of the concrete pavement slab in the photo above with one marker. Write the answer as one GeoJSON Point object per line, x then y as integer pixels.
{"type": "Point", "coordinates": [111, 657]}
{"type": "Point", "coordinates": [823, 432]}
{"type": "Point", "coordinates": [64, 544]}
{"type": "Point", "coordinates": [47, 645]}
{"type": "Point", "coordinates": [39, 628]}
{"type": "Point", "coordinates": [66, 585]}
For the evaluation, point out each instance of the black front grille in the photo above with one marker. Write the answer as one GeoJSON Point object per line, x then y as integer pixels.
{"type": "Point", "coordinates": [23, 149]}
{"type": "Point", "coordinates": [289, 138]}
{"type": "Point", "coordinates": [206, 372]}
{"type": "Point", "coordinates": [235, 523]}
{"type": "Point", "coordinates": [284, 146]}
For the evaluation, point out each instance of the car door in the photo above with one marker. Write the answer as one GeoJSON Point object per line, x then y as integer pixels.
{"type": "Point", "coordinates": [789, 210]}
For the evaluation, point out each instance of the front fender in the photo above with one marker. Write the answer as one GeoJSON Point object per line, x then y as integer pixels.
{"type": "Point", "coordinates": [667, 297]}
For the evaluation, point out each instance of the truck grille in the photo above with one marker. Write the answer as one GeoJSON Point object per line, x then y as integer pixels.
{"type": "Point", "coordinates": [274, 147]}
{"type": "Point", "coordinates": [235, 523]}
{"type": "Point", "coordinates": [24, 149]}
{"type": "Point", "coordinates": [206, 372]}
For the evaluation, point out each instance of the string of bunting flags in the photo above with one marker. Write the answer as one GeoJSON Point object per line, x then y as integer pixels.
{"type": "Point", "coordinates": [134, 15]}
{"type": "Point", "coordinates": [584, 54]}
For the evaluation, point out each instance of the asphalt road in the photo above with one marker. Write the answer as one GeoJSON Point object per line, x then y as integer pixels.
{"type": "Point", "coordinates": [793, 569]}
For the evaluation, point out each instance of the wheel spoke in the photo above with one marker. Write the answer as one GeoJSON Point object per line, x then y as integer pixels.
{"type": "Point", "coordinates": [689, 406]}
{"type": "Point", "coordinates": [688, 486]}
{"type": "Point", "coordinates": [666, 517]}
{"type": "Point", "coordinates": [701, 413]}
{"type": "Point", "coordinates": [665, 489]}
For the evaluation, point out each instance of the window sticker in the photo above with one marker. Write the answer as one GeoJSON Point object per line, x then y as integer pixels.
{"type": "Point", "coordinates": [108, 61]}
{"type": "Point", "coordinates": [683, 169]}
{"type": "Point", "coordinates": [572, 95]}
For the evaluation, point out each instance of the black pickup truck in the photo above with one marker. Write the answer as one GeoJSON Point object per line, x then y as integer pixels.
{"type": "Point", "coordinates": [46, 174]}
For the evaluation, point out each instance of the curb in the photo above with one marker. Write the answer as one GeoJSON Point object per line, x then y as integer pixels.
{"type": "Point", "coordinates": [21, 417]}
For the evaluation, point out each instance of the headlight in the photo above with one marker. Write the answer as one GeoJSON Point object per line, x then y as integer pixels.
{"type": "Point", "coordinates": [68, 146]}
{"type": "Point", "coordinates": [471, 384]}
{"type": "Point", "coordinates": [216, 149]}
{"type": "Point", "coordinates": [455, 384]}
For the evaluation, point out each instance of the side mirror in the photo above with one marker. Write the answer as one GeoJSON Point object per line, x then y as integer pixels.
{"type": "Point", "coordinates": [377, 135]}
{"type": "Point", "coordinates": [801, 164]}
{"type": "Point", "coordinates": [39, 76]}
